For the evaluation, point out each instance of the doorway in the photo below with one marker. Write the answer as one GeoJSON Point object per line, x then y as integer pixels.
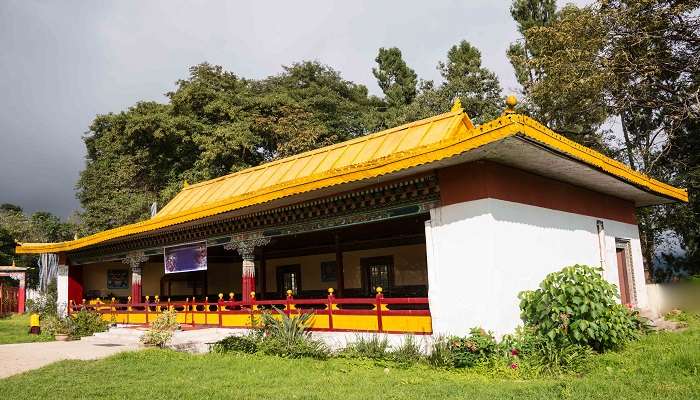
{"type": "Point", "coordinates": [622, 255]}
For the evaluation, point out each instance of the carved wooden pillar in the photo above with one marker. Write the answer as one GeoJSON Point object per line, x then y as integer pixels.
{"type": "Point", "coordinates": [134, 260]}
{"type": "Point", "coordinates": [245, 246]}
{"type": "Point", "coordinates": [340, 275]}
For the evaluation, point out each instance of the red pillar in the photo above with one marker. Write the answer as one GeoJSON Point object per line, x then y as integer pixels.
{"type": "Point", "coordinates": [21, 294]}
{"type": "Point", "coordinates": [136, 284]}
{"type": "Point", "coordinates": [75, 283]}
{"type": "Point", "coordinates": [248, 283]}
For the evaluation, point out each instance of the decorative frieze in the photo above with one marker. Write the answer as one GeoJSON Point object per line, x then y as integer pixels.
{"type": "Point", "coordinates": [393, 200]}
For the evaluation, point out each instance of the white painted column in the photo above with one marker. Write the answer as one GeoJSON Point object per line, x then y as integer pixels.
{"type": "Point", "coordinates": [62, 289]}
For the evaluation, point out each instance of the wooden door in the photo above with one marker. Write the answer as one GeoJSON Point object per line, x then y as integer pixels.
{"type": "Point", "coordinates": [622, 275]}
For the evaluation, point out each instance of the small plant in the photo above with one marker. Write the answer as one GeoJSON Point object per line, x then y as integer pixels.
{"type": "Point", "coordinates": [544, 356]}
{"type": "Point", "coordinates": [52, 325]}
{"type": "Point", "coordinates": [87, 323]}
{"type": "Point", "coordinates": [243, 344]}
{"type": "Point", "coordinates": [46, 303]}
{"type": "Point", "coordinates": [409, 352]}
{"type": "Point", "coordinates": [577, 305]}
{"type": "Point", "coordinates": [440, 355]}
{"type": "Point", "coordinates": [473, 349]}
{"type": "Point", "coordinates": [374, 347]}
{"type": "Point", "coordinates": [162, 329]}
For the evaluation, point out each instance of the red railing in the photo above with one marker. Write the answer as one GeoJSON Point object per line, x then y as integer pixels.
{"type": "Point", "coordinates": [331, 313]}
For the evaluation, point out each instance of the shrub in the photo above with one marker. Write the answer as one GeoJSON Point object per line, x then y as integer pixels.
{"type": "Point", "coordinates": [242, 344]}
{"type": "Point", "coordinates": [52, 325]}
{"type": "Point", "coordinates": [46, 303]}
{"type": "Point", "coordinates": [87, 323]}
{"type": "Point", "coordinates": [409, 352]}
{"type": "Point", "coordinates": [166, 321]}
{"type": "Point", "coordinates": [440, 355]}
{"type": "Point", "coordinates": [162, 328]}
{"type": "Point", "coordinates": [577, 305]}
{"type": "Point", "coordinates": [473, 349]}
{"type": "Point", "coordinates": [374, 347]}
{"type": "Point", "coordinates": [542, 355]}
{"type": "Point", "coordinates": [298, 348]}
{"type": "Point", "coordinates": [287, 336]}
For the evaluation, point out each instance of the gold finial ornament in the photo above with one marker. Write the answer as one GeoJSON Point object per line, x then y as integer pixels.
{"type": "Point", "coordinates": [457, 106]}
{"type": "Point", "coordinates": [379, 289]}
{"type": "Point", "coordinates": [289, 292]}
{"type": "Point", "coordinates": [221, 296]}
{"type": "Point", "coordinates": [511, 102]}
{"type": "Point", "coordinates": [330, 290]}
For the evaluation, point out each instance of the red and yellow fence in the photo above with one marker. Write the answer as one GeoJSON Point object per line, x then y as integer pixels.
{"type": "Point", "coordinates": [378, 314]}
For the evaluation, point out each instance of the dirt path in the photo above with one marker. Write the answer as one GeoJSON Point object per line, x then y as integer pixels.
{"type": "Point", "coordinates": [21, 357]}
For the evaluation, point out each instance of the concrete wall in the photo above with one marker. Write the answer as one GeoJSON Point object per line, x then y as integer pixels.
{"type": "Point", "coordinates": [482, 253]}
{"type": "Point", "coordinates": [664, 297]}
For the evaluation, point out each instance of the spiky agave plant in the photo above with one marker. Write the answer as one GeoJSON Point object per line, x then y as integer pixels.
{"type": "Point", "coordinates": [286, 328]}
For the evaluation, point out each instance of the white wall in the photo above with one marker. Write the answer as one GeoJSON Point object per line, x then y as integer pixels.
{"type": "Point", "coordinates": [482, 253]}
{"type": "Point", "coordinates": [62, 289]}
{"type": "Point", "coordinates": [664, 297]}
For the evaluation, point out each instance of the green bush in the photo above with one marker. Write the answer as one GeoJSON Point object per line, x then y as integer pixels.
{"type": "Point", "coordinates": [374, 347]}
{"type": "Point", "coordinates": [161, 331]}
{"type": "Point", "coordinates": [298, 348]}
{"type": "Point", "coordinates": [242, 344]}
{"type": "Point", "coordinates": [577, 305]}
{"type": "Point", "coordinates": [540, 355]}
{"type": "Point", "coordinates": [87, 323]}
{"type": "Point", "coordinates": [476, 348]}
{"type": "Point", "coordinates": [52, 325]}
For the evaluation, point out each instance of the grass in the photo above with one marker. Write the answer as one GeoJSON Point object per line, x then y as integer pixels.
{"type": "Point", "coordinates": [15, 328]}
{"type": "Point", "coordinates": [664, 365]}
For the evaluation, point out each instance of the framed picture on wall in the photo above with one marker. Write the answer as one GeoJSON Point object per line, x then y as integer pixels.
{"type": "Point", "coordinates": [117, 279]}
{"type": "Point", "coordinates": [329, 271]}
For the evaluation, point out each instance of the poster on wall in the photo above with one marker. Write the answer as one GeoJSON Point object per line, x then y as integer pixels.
{"type": "Point", "coordinates": [117, 279]}
{"type": "Point", "coordinates": [186, 258]}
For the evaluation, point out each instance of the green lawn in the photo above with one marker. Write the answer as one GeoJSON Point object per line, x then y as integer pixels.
{"type": "Point", "coordinates": [661, 366]}
{"type": "Point", "coordinates": [15, 330]}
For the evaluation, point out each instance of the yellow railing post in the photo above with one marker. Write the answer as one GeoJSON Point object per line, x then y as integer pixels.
{"type": "Point", "coordinates": [378, 307]}
{"type": "Point", "coordinates": [220, 307]}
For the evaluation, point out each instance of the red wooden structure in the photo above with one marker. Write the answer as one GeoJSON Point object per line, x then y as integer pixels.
{"type": "Point", "coordinates": [14, 297]}
{"type": "Point", "coordinates": [328, 312]}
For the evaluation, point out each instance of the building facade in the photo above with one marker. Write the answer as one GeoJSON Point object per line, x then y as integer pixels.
{"type": "Point", "coordinates": [430, 227]}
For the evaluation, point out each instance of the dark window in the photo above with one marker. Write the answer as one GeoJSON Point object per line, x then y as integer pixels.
{"type": "Point", "coordinates": [378, 272]}
{"type": "Point", "coordinates": [289, 278]}
{"type": "Point", "coordinates": [328, 271]}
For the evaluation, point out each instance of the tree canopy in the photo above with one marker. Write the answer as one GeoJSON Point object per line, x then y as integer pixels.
{"type": "Point", "coordinates": [216, 122]}
{"type": "Point", "coordinates": [631, 62]}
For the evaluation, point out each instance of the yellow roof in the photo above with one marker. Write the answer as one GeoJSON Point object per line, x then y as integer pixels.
{"type": "Point", "coordinates": [370, 156]}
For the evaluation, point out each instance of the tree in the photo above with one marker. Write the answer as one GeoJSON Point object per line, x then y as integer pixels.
{"type": "Point", "coordinates": [16, 226]}
{"type": "Point", "coordinates": [463, 77]}
{"type": "Point", "coordinates": [558, 71]}
{"type": "Point", "coordinates": [395, 78]}
{"type": "Point", "coordinates": [215, 123]}
{"type": "Point", "coordinates": [632, 60]}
